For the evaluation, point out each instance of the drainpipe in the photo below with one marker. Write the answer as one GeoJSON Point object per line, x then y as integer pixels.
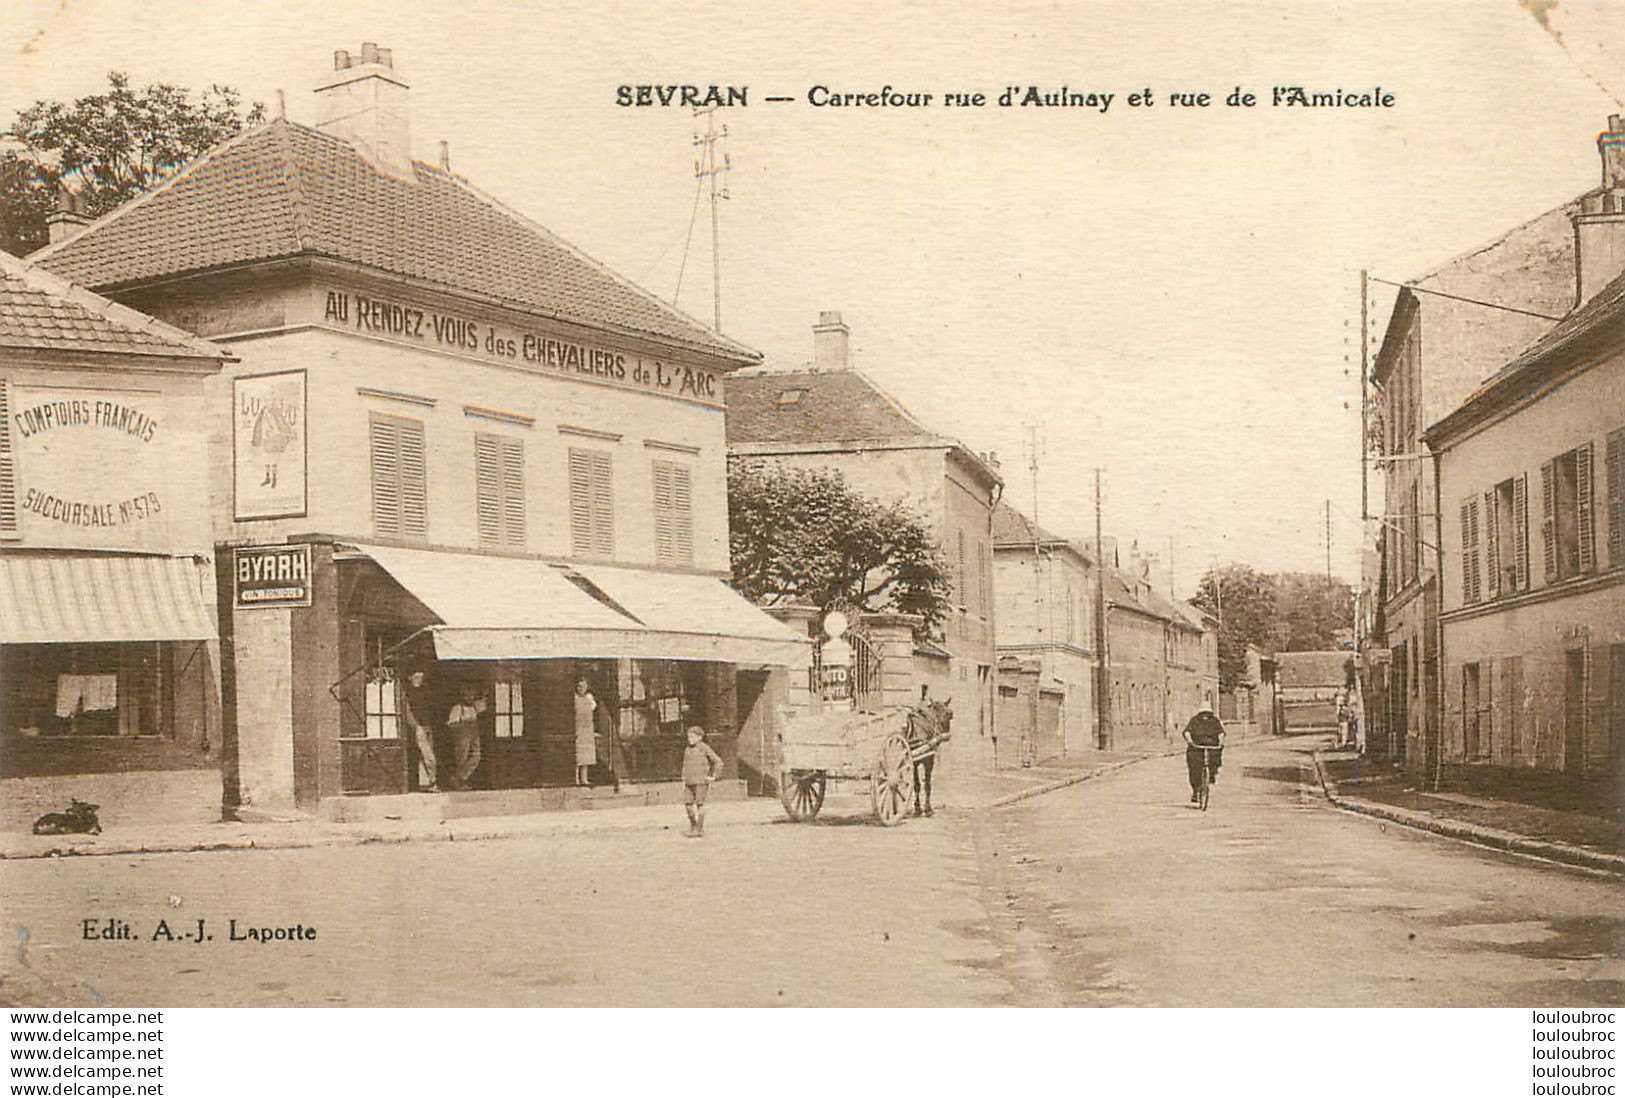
{"type": "Point", "coordinates": [1438, 619]}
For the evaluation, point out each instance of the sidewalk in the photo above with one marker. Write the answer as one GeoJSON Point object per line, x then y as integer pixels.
{"type": "Point", "coordinates": [306, 833]}
{"type": "Point", "coordinates": [1560, 835]}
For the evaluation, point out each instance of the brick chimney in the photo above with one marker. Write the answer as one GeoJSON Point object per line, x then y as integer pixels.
{"type": "Point", "coordinates": [364, 101]}
{"type": "Point", "coordinates": [68, 216]}
{"type": "Point", "coordinates": [831, 342]}
{"type": "Point", "coordinates": [1599, 227]}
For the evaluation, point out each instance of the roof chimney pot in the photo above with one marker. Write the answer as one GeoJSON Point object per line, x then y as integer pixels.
{"type": "Point", "coordinates": [366, 105]}
{"type": "Point", "coordinates": [1599, 227]}
{"type": "Point", "coordinates": [831, 342]}
{"type": "Point", "coordinates": [445, 156]}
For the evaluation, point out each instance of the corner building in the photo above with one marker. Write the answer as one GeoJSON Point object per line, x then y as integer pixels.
{"type": "Point", "coordinates": [453, 443]}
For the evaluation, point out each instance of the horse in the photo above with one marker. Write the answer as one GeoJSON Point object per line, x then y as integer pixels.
{"type": "Point", "coordinates": [928, 729]}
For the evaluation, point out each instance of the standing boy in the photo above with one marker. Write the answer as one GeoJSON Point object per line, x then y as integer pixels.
{"type": "Point", "coordinates": [700, 768]}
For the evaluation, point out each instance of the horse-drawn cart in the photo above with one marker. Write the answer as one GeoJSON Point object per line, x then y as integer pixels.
{"type": "Point", "coordinates": [872, 747]}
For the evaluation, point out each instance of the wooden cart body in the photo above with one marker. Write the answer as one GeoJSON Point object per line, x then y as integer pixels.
{"type": "Point", "coordinates": [853, 746]}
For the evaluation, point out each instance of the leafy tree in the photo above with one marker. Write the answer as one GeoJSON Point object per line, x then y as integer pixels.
{"type": "Point", "coordinates": [804, 535]}
{"type": "Point", "coordinates": [1311, 609]}
{"type": "Point", "coordinates": [1244, 602]}
{"type": "Point", "coordinates": [112, 146]}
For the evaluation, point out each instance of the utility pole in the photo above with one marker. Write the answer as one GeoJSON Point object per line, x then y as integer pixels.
{"type": "Point", "coordinates": [1328, 540]}
{"type": "Point", "coordinates": [1040, 590]}
{"type": "Point", "coordinates": [1102, 647]}
{"type": "Point", "coordinates": [707, 168]}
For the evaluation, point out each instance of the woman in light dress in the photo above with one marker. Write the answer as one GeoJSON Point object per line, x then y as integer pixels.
{"type": "Point", "coordinates": [586, 737]}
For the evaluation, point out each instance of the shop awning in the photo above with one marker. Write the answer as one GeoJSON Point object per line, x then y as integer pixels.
{"type": "Point", "coordinates": [503, 608]}
{"type": "Point", "coordinates": [65, 597]}
{"type": "Point", "coordinates": [698, 617]}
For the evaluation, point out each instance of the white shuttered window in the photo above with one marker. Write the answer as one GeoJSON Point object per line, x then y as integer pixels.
{"type": "Point", "coordinates": [674, 513]}
{"type": "Point", "coordinates": [400, 502]}
{"type": "Point", "coordinates": [592, 503]}
{"type": "Point", "coordinates": [499, 490]}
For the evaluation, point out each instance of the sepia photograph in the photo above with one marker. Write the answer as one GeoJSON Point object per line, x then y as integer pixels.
{"type": "Point", "coordinates": [843, 506]}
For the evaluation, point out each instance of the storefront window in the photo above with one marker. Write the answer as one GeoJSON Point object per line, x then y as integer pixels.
{"type": "Point", "coordinates": [658, 700]}
{"type": "Point", "coordinates": [509, 709]}
{"type": "Point", "coordinates": [73, 690]}
{"type": "Point", "coordinates": [383, 720]}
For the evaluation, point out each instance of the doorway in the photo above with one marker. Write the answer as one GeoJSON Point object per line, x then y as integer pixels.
{"type": "Point", "coordinates": [1574, 712]}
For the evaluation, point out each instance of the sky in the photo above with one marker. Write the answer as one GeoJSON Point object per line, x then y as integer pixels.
{"type": "Point", "coordinates": [1167, 293]}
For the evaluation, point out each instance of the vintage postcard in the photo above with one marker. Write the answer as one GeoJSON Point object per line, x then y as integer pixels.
{"type": "Point", "coordinates": [1009, 504]}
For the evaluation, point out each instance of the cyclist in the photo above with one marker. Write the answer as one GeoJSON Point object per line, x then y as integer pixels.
{"type": "Point", "coordinates": [1203, 730]}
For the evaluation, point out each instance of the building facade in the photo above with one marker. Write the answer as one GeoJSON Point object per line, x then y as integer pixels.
{"type": "Point", "coordinates": [1449, 330]}
{"type": "Point", "coordinates": [1532, 471]}
{"type": "Point", "coordinates": [453, 444]}
{"type": "Point", "coordinates": [1437, 351]}
{"type": "Point", "coordinates": [1044, 592]}
{"type": "Point", "coordinates": [831, 416]}
{"type": "Point", "coordinates": [109, 666]}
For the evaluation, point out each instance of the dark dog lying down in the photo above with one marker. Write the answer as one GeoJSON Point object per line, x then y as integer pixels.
{"type": "Point", "coordinates": [79, 819]}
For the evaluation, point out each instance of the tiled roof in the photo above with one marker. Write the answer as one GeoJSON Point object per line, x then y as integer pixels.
{"type": "Point", "coordinates": [42, 312]}
{"type": "Point", "coordinates": [1313, 668]}
{"type": "Point", "coordinates": [285, 190]}
{"type": "Point", "coordinates": [813, 406]}
{"type": "Point", "coordinates": [1011, 527]}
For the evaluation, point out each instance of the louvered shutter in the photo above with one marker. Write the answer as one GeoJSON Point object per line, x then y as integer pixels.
{"type": "Point", "coordinates": [603, 505]}
{"type": "Point", "coordinates": [1469, 553]}
{"type": "Point", "coordinates": [1615, 507]}
{"type": "Point", "coordinates": [8, 467]}
{"type": "Point", "coordinates": [580, 501]}
{"type": "Point", "coordinates": [1583, 508]}
{"type": "Point", "coordinates": [513, 491]}
{"type": "Point", "coordinates": [1492, 545]}
{"type": "Point", "coordinates": [1520, 531]}
{"type": "Point", "coordinates": [665, 512]}
{"type": "Point", "coordinates": [386, 478]}
{"type": "Point", "coordinates": [414, 481]}
{"type": "Point", "coordinates": [488, 489]}
{"type": "Point", "coordinates": [682, 498]}
{"type": "Point", "coordinates": [964, 595]}
{"type": "Point", "coordinates": [1548, 518]}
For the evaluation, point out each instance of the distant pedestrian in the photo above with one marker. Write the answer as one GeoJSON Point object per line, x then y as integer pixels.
{"type": "Point", "coordinates": [701, 766]}
{"type": "Point", "coordinates": [586, 732]}
{"type": "Point", "coordinates": [463, 729]}
{"type": "Point", "coordinates": [1345, 716]}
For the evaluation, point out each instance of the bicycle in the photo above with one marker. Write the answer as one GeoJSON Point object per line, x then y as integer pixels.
{"type": "Point", "coordinates": [1204, 777]}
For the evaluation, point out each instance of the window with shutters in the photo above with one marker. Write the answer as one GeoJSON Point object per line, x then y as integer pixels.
{"type": "Point", "coordinates": [1506, 538]}
{"type": "Point", "coordinates": [1471, 587]}
{"type": "Point", "coordinates": [499, 490]}
{"type": "Point", "coordinates": [674, 513]}
{"type": "Point", "coordinates": [982, 574]}
{"type": "Point", "coordinates": [1512, 706]}
{"type": "Point", "coordinates": [400, 498]}
{"type": "Point", "coordinates": [8, 470]}
{"type": "Point", "coordinates": [1566, 520]}
{"type": "Point", "coordinates": [961, 592]}
{"type": "Point", "coordinates": [1614, 505]}
{"type": "Point", "coordinates": [592, 503]}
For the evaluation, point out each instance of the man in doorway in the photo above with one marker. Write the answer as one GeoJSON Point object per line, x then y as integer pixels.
{"type": "Point", "coordinates": [415, 710]}
{"type": "Point", "coordinates": [463, 729]}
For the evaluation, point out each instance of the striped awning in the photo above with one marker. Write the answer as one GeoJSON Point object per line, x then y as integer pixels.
{"type": "Point", "coordinates": [63, 598]}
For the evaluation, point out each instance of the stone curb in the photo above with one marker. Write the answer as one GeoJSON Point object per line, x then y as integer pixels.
{"type": "Point", "coordinates": [1494, 838]}
{"type": "Point", "coordinates": [1074, 779]}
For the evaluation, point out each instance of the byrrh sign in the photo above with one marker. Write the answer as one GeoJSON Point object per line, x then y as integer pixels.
{"type": "Point", "coordinates": [405, 321]}
{"type": "Point", "coordinates": [271, 576]}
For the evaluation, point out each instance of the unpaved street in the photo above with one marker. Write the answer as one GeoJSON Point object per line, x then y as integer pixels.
{"type": "Point", "coordinates": [1110, 892]}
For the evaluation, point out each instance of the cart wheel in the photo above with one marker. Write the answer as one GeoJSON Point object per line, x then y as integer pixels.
{"type": "Point", "coordinates": [802, 793]}
{"type": "Point", "coordinates": [893, 780]}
